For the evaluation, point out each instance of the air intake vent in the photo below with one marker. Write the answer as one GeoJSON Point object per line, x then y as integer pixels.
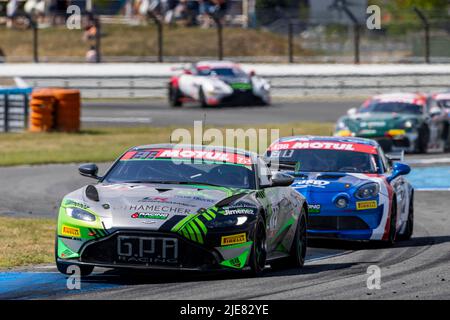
{"type": "Point", "coordinates": [92, 193]}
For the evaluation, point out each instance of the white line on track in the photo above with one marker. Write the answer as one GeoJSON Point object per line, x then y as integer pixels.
{"type": "Point", "coordinates": [116, 120]}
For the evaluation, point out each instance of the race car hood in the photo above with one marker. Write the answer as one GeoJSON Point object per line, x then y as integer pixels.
{"type": "Point", "coordinates": [312, 185]}
{"type": "Point", "coordinates": [377, 123]}
{"type": "Point", "coordinates": [149, 206]}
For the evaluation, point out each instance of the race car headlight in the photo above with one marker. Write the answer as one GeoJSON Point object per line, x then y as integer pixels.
{"type": "Point", "coordinates": [226, 221]}
{"type": "Point", "coordinates": [367, 191]}
{"type": "Point", "coordinates": [80, 214]}
{"type": "Point", "coordinates": [408, 124]}
{"type": "Point", "coordinates": [341, 126]}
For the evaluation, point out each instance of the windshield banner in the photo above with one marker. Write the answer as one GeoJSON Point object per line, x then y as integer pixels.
{"type": "Point", "coordinates": [208, 155]}
{"type": "Point", "coordinates": [323, 145]}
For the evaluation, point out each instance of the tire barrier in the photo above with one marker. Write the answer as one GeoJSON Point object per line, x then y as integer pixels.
{"type": "Point", "coordinates": [54, 109]}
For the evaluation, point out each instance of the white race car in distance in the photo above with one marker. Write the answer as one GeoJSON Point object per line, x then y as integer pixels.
{"type": "Point", "coordinates": [214, 83]}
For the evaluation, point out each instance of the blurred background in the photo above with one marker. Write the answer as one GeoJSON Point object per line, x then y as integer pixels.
{"type": "Point", "coordinates": [319, 31]}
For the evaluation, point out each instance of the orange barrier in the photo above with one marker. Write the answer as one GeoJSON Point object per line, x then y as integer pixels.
{"type": "Point", "coordinates": [42, 105]}
{"type": "Point", "coordinates": [68, 113]}
{"type": "Point", "coordinates": [55, 109]}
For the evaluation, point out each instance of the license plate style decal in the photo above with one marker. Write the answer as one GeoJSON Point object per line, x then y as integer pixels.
{"type": "Point", "coordinates": [147, 250]}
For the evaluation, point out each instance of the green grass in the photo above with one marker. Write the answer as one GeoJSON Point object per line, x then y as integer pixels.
{"type": "Point", "coordinates": [106, 144]}
{"type": "Point", "coordinates": [137, 41]}
{"type": "Point", "coordinates": [26, 241]}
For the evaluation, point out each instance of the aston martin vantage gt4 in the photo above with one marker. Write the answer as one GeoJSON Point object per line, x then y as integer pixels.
{"type": "Point", "coordinates": [182, 208]}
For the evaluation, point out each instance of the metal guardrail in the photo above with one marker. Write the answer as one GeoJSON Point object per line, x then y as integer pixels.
{"type": "Point", "coordinates": [283, 85]}
{"type": "Point", "coordinates": [14, 110]}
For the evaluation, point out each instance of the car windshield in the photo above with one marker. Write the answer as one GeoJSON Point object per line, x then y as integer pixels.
{"type": "Point", "coordinates": [396, 107]}
{"type": "Point", "coordinates": [184, 167]}
{"type": "Point", "coordinates": [309, 160]}
{"type": "Point", "coordinates": [221, 72]}
{"type": "Point", "coordinates": [443, 103]}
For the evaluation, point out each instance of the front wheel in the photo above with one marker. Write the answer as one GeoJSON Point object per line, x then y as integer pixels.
{"type": "Point", "coordinates": [259, 249]}
{"type": "Point", "coordinates": [175, 97]}
{"type": "Point", "coordinates": [392, 226]}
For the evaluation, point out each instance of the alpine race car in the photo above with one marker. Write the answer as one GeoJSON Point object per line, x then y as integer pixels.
{"type": "Point", "coordinates": [354, 192]}
{"type": "Point", "coordinates": [440, 103]}
{"type": "Point", "coordinates": [399, 122]}
{"type": "Point", "coordinates": [182, 208]}
{"type": "Point", "coordinates": [213, 83]}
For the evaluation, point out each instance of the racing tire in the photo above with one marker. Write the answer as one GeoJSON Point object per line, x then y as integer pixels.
{"type": "Point", "coordinates": [258, 254]}
{"type": "Point", "coordinates": [64, 266]}
{"type": "Point", "coordinates": [422, 140]}
{"type": "Point", "coordinates": [409, 229]}
{"type": "Point", "coordinates": [175, 97]}
{"type": "Point", "coordinates": [392, 226]}
{"type": "Point", "coordinates": [446, 137]}
{"type": "Point", "coordinates": [202, 98]}
{"type": "Point", "coordinates": [297, 255]}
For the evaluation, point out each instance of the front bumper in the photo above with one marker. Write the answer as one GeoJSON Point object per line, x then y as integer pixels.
{"type": "Point", "coordinates": [238, 98]}
{"type": "Point", "coordinates": [349, 225]}
{"type": "Point", "coordinates": [109, 252]}
{"type": "Point", "coordinates": [404, 142]}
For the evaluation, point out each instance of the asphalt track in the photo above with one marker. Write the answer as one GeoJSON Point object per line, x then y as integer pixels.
{"type": "Point", "coordinates": [158, 113]}
{"type": "Point", "coordinates": [414, 269]}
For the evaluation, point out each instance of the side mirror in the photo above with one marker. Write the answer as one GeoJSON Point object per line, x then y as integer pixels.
{"type": "Point", "coordinates": [399, 169]}
{"type": "Point", "coordinates": [89, 170]}
{"type": "Point", "coordinates": [280, 179]}
{"type": "Point", "coordinates": [352, 111]}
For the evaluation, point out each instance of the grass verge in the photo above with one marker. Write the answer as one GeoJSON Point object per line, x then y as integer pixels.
{"type": "Point", "coordinates": [106, 144]}
{"type": "Point", "coordinates": [139, 41]}
{"type": "Point", "coordinates": [26, 241]}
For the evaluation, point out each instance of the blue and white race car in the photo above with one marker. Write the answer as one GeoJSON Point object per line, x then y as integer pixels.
{"type": "Point", "coordinates": [354, 191]}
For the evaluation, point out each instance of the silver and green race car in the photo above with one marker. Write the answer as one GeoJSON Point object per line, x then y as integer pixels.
{"type": "Point", "coordinates": [182, 207]}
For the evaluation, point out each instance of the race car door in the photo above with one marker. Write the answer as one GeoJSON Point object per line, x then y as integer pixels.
{"type": "Point", "coordinates": [278, 206]}
{"type": "Point", "coordinates": [401, 191]}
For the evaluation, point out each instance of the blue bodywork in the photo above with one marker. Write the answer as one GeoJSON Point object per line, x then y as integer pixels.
{"type": "Point", "coordinates": [322, 189]}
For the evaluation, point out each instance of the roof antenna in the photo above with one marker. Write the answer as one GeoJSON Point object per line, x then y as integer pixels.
{"type": "Point", "coordinates": [292, 131]}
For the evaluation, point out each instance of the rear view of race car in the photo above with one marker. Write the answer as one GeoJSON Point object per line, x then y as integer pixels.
{"type": "Point", "coordinates": [214, 83]}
